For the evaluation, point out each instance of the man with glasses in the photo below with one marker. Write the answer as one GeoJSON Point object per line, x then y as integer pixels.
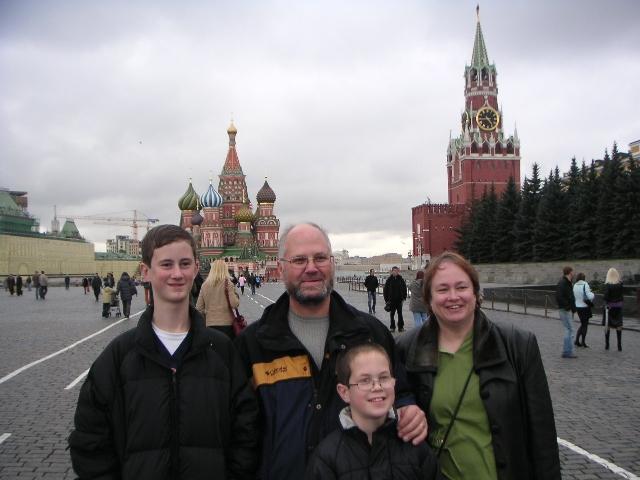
{"type": "Point", "coordinates": [291, 354]}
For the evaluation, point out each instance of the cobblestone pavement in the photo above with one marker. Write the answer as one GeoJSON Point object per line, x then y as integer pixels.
{"type": "Point", "coordinates": [594, 396]}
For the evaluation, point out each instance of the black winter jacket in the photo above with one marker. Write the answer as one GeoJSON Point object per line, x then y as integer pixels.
{"type": "Point", "coordinates": [371, 283]}
{"type": "Point", "coordinates": [137, 418]}
{"type": "Point", "coordinates": [298, 403]}
{"type": "Point", "coordinates": [395, 289]}
{"type": "Point", "coordinates": [347, 455]}
{"type": "Point", "coordinates": [513, 388]}
{"type": "Point", "coordinates": [564, 295]}
{"type": "Point", "coordinates": [126, 288]}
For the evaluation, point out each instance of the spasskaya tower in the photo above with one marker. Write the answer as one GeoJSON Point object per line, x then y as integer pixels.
{"type": "Point", "coordinates": [481, 156]}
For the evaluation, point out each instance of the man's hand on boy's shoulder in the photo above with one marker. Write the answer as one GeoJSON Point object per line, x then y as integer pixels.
{"type": "Point", "coordinates": [412, 424]}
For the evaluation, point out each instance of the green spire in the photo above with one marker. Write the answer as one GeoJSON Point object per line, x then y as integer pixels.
{"type": "Point", "coordinates": [479, 58]}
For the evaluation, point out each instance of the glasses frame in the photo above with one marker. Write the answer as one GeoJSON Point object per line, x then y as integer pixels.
{"type": "Point", "coordinates": [390, 379]}
{"type": "Point", "coordinates": [306, 263]}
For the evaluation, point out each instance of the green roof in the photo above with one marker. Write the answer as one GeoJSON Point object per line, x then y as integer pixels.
{"type": "Point", "coordinates": [479, 57]}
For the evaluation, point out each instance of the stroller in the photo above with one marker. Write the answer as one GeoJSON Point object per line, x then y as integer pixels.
{"type": "Point", "coordinates": [114, 309]}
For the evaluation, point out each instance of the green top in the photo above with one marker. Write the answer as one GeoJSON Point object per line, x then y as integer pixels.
{"type": "Point", "coordinates": [468, 452]}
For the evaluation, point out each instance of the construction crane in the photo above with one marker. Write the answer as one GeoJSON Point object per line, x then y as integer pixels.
{"type": "Point", "coordinates": [113, 220]}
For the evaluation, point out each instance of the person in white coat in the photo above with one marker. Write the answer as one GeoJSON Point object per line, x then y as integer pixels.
{"type": "Point", "coordinates": [584, 302]}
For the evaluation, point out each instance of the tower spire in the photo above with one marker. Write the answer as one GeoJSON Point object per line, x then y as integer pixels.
{"type": "Point", "coordinates": [479, 57]}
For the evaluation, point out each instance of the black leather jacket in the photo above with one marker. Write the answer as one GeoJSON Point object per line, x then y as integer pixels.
{"type": "Point", "coordinates": [514, 391]}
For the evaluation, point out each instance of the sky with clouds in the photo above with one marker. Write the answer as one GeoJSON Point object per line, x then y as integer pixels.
{"type": "Point", "coordinates": [346, 107]}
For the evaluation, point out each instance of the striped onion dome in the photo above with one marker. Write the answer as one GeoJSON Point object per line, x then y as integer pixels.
{"type": "Point", "coordinates": [188, 201]}
{"type": "Point", "coordinates": [244, 214]}
{"type": "Point", "coordinates": [266, 194]}
{"type": "Point", "coordinates": [211, 198]}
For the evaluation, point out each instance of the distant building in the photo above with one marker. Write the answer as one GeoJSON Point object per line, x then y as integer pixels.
{"type": "Point", "coordinates": [634, 148]}
{"type": "Point", "coordinates": [227, 227]}
{"type": "Point", "coordinates": [483, 155]}
{"type": "Point", "coordinates": [123, 244]}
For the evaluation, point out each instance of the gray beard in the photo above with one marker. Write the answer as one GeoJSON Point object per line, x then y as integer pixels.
{"type": "Point", "coordinates": [316, 299]}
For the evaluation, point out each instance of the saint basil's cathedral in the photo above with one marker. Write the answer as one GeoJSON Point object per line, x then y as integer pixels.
{"type": "Point", "coordinates": [482, 156]}
{"type": "Point", "coordinates": [223, 224]}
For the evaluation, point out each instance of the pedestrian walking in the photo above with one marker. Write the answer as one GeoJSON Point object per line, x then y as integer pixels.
{"type": "Point", "coordinates": [416, 304]}
{"type": "Point", "coordinates": [85, 285]}
{"type": "Point", "coordinates": [566, 308]}
{"type": "Point", "coordinates": [67, 282]}
{"type": "Point", "coordinates": [126, 289]}
{"type": "Point", "coordinates": [167, 399]}
{"type": "Point", "coordinates": [613, 298]}
{"type": "Point", "coordinates": [96, 284]}
{"type": "Point", "coordinates": [217, 298]}
{"type": "Point", "coordinates": [395, 293]}
{"type": "Point", "coordinates": [35, 278]}
{"type": "Point", "coordinates": [371, 283]}
{"type": "Point", "coordinates": [11, 284]}
{"type": "Point", "coordinates": [28, 282]}
{"type": "Point", "coordinates": [43, 280]}
{"type": "Point", "coordinates": [584, 301]}
{"type": "Point", "coordinates": [19, 285]}
{"type": "Point", "coordinates": [483, 384]}
{"type": "Point", "coordinates": [241, 282]}
{"type": "Point", "coordinates": [107, 296]}
{"type": "Point", "coordinates": [259, 281]}
{"type": "Point", "coordinates": [252, 283]}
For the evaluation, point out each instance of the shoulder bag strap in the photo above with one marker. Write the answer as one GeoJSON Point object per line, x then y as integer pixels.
{"type": "Point", "coordinates": [455, 413]}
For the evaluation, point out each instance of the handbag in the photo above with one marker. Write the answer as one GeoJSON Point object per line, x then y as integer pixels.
{"type": "Point", "coordinates": [239, 323]}
{"type": "Point", "coordinates": [588, 302]}
{"type": "Point", "coordinates": [387, 307]}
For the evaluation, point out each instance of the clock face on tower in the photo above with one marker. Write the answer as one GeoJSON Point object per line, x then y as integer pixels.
{"type": "Point", "coordinates": [487, 118]}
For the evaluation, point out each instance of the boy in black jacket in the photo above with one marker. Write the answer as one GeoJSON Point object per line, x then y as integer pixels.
{"type": "Point", "coordinates": [367, 446]}
{"type": "Point", "coordinates": [168, 399]}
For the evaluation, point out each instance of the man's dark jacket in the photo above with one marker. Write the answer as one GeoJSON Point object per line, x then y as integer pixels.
{"type": "Point", "coordinates": [513, 388]}
{"type": "Point", "coordinates": [139, 418]}
{"type": "Point", "coordinates": [564, 295]}
{"type": "Point", "coordinates": [299, 404]}
{"type": "Point", "coordinates": [96, 283]}
{"type": "Point", "coordinates": [371, 283]}
{"type": "Point", "coordinates": [395, 289]}
{"type": "Point", "coordinates": [126, 288]}
{"type": "Point", "coordinates": [347, 454]}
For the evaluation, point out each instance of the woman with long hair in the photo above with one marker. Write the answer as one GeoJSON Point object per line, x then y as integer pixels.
{"type": "Point", "coordinates": [584, 296]}
{"type": "Point", "coordinates": [613, 298]}
{"type": "Point", "coordinates": [217, 297]}
{"type": "Point", "coordinates": [482, 384]}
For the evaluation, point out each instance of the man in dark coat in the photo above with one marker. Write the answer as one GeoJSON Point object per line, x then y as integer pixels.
{"type": "Point", "coordinates": [126, 289]}
{"type": "Point", "coordinates": [395, 292]}
{"type": "Point", "coordinates": [169, 398]}
{"type": "Point", "coordinates": [371, 284]}
{"type": "Point", "coordinates": [96, 284]}
{"type": "Point", "coordinates": [291, 355]}
{"type": "Point", "coordinates": [566, 306]}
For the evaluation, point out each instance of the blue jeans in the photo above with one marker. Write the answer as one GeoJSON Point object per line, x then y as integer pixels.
{"type": "Point", "coordinates": [567, 345]}
{"type": "Point", "coordinates": [371, 301]}
{"type": "Point", "coordinates": [419, 318]}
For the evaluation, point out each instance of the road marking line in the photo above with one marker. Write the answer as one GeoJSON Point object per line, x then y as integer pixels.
{"type": "Point", "coordinates": [595, 458]}
{"type": "Point", "coordinates": [55, 354]}
{"type": "Point", "coordinates": [77, 380]}
{"type": "Point", "coordinates": [272, 301]}
{"type": "Point", "coordinates": [4, 436]}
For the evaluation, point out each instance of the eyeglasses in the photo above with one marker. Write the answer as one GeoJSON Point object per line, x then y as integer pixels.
{"type": "Point", "coordinates": [301, 261]}
{"type": "Point", "coordinates": [367, 384]}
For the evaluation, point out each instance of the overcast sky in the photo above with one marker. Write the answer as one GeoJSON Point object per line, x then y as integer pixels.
{"type": "Point", "coordinates": [346, 106]}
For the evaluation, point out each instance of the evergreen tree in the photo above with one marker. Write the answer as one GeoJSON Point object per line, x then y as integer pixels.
{"type": "Point", "coordinates": [484, 233]}
{"type": "Point", "coordinates": [526, 217]}
{"type": "Point", "coordinates": [550, 235]}
{"type": "Point", "coordinates": [583, 237]}
{"type": "Point", "coordinates": [627, 209]}
{"type": "Point", "coordinates": [607, 221]}
{"type": "Point", "coordinates": [465, 241]}
{"type": "Point", "coordinates": [504, 246]}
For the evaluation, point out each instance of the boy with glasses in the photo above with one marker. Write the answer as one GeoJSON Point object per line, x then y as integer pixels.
{"type": "Point", "coordinates": [367, 446]}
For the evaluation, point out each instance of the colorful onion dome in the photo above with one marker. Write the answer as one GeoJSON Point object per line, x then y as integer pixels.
{"type": "Point", "coordinates": [211, 198]}
{"type": "Point", "coordinates": [197, 219]}
{"type": "Point", "coordinates": [188, 201]}
{"type": "Point", "coordinates": [244, 214]}
{"type": "Point", "coordinates": [266, 194]}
